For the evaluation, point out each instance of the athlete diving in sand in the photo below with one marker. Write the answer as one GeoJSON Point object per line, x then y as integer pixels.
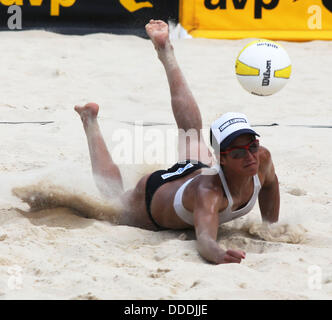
{"type": "Point", "coordinates": [200, 191]}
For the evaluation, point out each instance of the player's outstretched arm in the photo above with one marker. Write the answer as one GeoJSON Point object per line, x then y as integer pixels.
{"type": "Point", "coordinates": [206, 222]}
{"type": "Point", "coordinates": [269, 195]}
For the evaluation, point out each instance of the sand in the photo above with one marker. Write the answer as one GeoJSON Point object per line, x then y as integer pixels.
{"type": "Point", "coordinates": [58, 252]}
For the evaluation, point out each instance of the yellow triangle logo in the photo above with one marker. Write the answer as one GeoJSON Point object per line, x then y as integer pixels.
{"type": "Point", "coordinates": [132, 5]}
{"type": "Point", "coordinates": [244, 70]}
{"type": "Point", "coordinates": [283, 73]}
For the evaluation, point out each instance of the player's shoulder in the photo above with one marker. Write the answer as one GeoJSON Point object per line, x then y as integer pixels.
{"type": "Point", "coordinates": [266, 167]}
{"type": "Point", "coordinates": [208, 180]}
{"type": "Point", "coordinates": [264, 156]}
{"type": "Point", "coordinates": [209, 190]}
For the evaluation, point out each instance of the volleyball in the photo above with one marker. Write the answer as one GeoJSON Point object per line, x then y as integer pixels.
{"type": "Point", "coordinates": [263, 67]}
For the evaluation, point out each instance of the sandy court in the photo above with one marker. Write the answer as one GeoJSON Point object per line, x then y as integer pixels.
{"type": "Point", "coordinates": [55, 254]}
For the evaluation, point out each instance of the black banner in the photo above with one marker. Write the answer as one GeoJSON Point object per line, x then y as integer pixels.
{"type": "Point", "coordinates": [85, 16]}
{"type": "Point", "coordinates": [161, 309]}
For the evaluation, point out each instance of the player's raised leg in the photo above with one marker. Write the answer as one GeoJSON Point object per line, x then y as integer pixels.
{"type": "Point", "coordinates": [184, 106]}
{"type": "Point", "coordinates": [105, 172]}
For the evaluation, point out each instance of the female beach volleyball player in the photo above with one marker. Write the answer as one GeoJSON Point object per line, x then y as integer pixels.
{"type": "Point", "coordinates": [195, 192]}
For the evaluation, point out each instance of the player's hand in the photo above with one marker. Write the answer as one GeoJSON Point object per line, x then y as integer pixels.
{"type": "Point", "coordinates": [232, 256]}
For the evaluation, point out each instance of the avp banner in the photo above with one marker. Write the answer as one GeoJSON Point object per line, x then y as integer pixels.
{"type": "Point", "coordinates": [272, 19]}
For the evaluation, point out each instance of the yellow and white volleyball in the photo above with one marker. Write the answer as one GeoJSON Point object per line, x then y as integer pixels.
{"type": "Point", "coordinates": [263, 67]}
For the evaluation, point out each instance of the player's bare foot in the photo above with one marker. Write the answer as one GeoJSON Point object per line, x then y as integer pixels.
{"type": "Point", "coordinates": [158, 32]}
{"type": "Point", "coordinates": [87, 113]}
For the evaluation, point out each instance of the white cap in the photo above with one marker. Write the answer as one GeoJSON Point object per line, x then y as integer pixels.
{"type": "Point", "coordinates": [228, 127]}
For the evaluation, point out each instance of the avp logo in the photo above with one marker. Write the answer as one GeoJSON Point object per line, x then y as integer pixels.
{"type": "Point", "coordinates": [55, 4]}
{"type": "Point", "coordinates": [241, 4]}
{"type": "Point", "coordinates": [132, 5]}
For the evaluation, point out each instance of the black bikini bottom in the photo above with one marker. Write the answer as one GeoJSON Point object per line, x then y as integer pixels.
{"type": "Point", "coordinates": [160, 177]}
